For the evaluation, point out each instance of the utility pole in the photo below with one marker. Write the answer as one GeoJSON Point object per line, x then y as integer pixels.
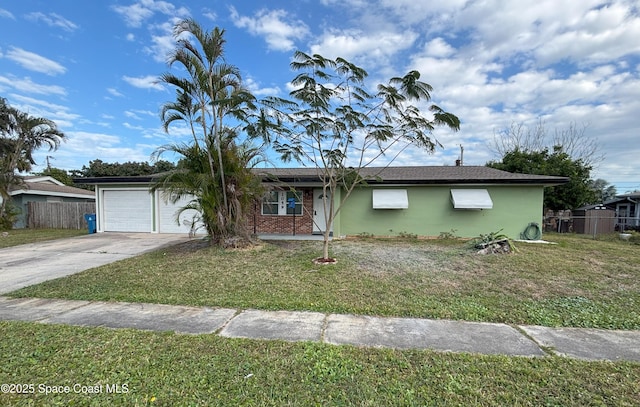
{"type": "Point", "coordinates": [461, 155]}
{"type": "Point", "coordinates": [48, 163]}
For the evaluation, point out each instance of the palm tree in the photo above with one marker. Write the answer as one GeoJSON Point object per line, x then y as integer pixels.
{"type": "Point", "coordinates": [193, 179]}
{"type": "Point", "coordinates": [212, 85]}
{"type": "Point", "coordinates": [208, 97]}
{"type": "Point", "coordinates": [20, 136]}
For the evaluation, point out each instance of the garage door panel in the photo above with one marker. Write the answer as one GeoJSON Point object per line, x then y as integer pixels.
{"type": "Point", "coordinates": [168, 211]}
{"type": "Point", "coordinates": [127, 211]}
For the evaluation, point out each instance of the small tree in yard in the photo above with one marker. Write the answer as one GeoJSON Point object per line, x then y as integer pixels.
{"type": "Point", "coordinates": [336, 125]}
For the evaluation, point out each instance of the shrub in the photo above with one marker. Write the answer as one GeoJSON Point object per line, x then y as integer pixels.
{"type": "Point", "coordinates": [9, 217]}
{"type": "Point", "coordinates": [450, 235]}
{"type": "Point", "coordinates": [635, 237]}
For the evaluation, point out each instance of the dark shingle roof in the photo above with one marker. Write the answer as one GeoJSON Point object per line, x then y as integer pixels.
{"type": "Point", "coordinates": [378, 175]}
{"type": "Point", "coordinates": [421, 175]}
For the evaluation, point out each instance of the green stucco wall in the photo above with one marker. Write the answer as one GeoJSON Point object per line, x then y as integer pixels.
{"type": "Point", "coordinates": [431, 212]}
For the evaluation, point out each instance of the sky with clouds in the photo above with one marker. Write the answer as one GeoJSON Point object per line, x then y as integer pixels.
{"type": "Point", "coordinates": [92, 67]}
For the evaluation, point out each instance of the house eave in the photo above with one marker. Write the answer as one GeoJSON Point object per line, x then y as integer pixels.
{"type": "Point", "coordinates": [50, 193]}
{"type": "Point", "coordinates": [114, 180]}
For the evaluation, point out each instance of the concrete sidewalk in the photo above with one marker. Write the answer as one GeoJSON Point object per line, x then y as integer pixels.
{"type": "Point", "coordinates": [366, 331]}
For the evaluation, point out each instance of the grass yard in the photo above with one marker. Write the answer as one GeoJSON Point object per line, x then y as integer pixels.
{"type": "Point", "coordinates": [17, 237]}
{"type": "Point", "coordinates": [579, 282]}
{"type": "Point", "coordinates": [163, 369]}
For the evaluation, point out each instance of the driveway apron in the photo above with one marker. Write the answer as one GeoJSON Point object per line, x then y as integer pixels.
{"type": "Point", "coordinates": [25, 265]}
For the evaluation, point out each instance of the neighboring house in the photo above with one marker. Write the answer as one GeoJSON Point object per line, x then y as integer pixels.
{"type": "Point", "coordinates": [424, 201]}
{"type": "Point", "coordinates": [45, 189]}
{"type": "Point", "coordinates": [620, 213]}
{"type": "Point", "coordinates": [627, 208]}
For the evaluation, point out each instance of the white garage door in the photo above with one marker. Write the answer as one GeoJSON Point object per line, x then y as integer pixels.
{"type": "Point", "coordinates": [127, 211]}
{"type": "Point", "coordinates": [167, 212]}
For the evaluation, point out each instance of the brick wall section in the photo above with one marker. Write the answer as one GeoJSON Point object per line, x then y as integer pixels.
{"type": "Point", "coordinates": [284, 224]}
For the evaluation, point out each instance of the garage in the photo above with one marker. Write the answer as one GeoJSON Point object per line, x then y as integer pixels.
{"type": "Point", "coordinates": [126, 210]}
{"type": "Point", "coordinates": [167, 212]}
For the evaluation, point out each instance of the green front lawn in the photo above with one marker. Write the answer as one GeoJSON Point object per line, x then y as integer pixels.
{"type": "Point", "coordinates": [578, 282]}
{"type": "Point", "coordinates": [164, 369]}
{"type": "Point", "coordinates": [17, 237]}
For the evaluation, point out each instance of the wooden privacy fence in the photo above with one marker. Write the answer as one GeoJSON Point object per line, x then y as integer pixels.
{"type": "Point", "coordinates": [58, 215]}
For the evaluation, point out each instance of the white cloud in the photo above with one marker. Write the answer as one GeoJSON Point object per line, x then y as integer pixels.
{"type": "Point", "coordinates": [135, 114]}
{"type": "Point", "coordinates": [602, 35]}
{"type": "Point", "coordinates": [132, 115]}
{"type": "Point", "coordinates": [83, 140]}
{"type": "Point", "coordinates": [34, 62]}
{"type": "Point", "coordinates": [135, 14]}
{"type": "Point", "coordinates": [144, 82]}
{"type": "Point", "coordinates": [257, 90]}
{"type": "Point", "coordinates": [163, 43]}
{"type": "Point", "coordinates": [435, 13]}
{"type": "Point", "coordinates": [346, 3]}
{"type": "Point", "coordinates": [52, 20]}
{"type": "Point", "coordinates": [132, 127]}
{"type": "Point", "coordinates": [114, 92]}
{"type": "Point", "coordinates": [40, 108]}
{"type": "Point", "coordinates": [279, 30]}
{"type": "Point", "coordinates": [585, 31]}
{"type": "Point", "coordinates": [103, 146]}
{"type": "Point", "coordinates": [210, 14]}
{"type": "Point", "coordinates": [438, 48]}
{"type": "Point", "coordinates": [6, 14]}
{"type": "Point", "coordinates": [26, 85]}
{"type": "Point", "coordinates": [131, 37]}
{"type": "Point", "coordinates": [353, 43]}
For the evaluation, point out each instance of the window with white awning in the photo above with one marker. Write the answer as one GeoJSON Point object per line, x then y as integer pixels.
{"type": "Point", "coordinates": [471, 199]}
{"type": "Point", "coordinates": [390, 199]}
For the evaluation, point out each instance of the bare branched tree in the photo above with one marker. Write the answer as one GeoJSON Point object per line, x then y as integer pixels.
{"type": "Point", "coordinates": [573, 140]}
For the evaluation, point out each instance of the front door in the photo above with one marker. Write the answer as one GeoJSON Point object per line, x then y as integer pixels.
{"type": "Point", "coordinates": [319, 216]}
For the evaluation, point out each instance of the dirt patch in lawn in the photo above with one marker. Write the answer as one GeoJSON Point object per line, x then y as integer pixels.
{"type": "Point", "coordinates": [397, 257]}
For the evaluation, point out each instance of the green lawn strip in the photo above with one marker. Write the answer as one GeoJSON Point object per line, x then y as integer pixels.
{"type": "Point", "coordinates": [23, 236]}
{"type": "Point", "coordinates": [164, 369]}
{"type": "Point", "coordinates": [578, 282]}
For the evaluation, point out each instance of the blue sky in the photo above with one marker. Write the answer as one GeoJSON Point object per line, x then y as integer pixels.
{"type": "Point", "coordinates": [91, 66]}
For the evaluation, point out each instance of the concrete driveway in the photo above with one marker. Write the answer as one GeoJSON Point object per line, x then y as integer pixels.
{"type": "Point", "coordinates": [25, 265]}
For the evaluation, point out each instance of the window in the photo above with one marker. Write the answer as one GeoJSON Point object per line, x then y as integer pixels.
{"type": "Point", "coordinates": [278, 202]}
{"type": "Point", "coordinates": [297, 198]}
{"type": "Point", "coordinates": [471, 199]}
{"type": "Point", "coordinates": [270, 203]}
{"type": "Point", "coordinates": [390, 199]}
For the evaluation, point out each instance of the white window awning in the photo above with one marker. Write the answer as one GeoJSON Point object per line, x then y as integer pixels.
{"type": "Point", "coordinates": [390, 199]}
{"type": "Point", "coordinates": [471, 199]}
